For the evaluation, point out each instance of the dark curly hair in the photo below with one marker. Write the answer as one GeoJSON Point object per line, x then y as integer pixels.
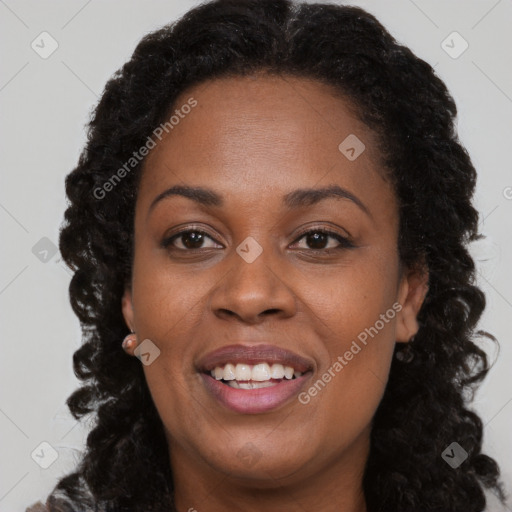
{"type": "Point", "coordinates": [397, 95]}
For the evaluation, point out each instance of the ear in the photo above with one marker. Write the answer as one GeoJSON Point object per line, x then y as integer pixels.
{"type": "Point", "coordinates": [412, 291]}
{"type": "Point", "coordinates": [127, 308]}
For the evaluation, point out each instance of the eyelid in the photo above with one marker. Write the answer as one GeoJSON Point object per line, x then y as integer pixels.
{"type": "Point", "coordinates": [168, 239]}
{"type": "Point", "coordinates": [345, 241]}
{"type": "Point", "coordinates": [323, 229]}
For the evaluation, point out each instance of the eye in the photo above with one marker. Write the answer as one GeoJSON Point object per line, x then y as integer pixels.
{"type": "Point", "coordinates": [191, 239]}
{"type": "Point", "coordinates": [194, 239]}
{"type": "Point", "coordinates": [319, 240]}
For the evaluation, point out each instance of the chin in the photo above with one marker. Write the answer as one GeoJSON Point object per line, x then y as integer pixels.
{"type": "Point", "coordinates": [261, 463]}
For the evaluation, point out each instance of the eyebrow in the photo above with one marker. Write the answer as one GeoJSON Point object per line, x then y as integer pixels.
{"type": "Point", "coordinates": [293, 200]}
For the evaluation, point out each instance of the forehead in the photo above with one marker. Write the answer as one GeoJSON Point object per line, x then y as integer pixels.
{"type": "Point", "coordinates": [261, 134]}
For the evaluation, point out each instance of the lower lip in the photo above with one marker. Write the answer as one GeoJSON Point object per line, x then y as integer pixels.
{"type": "Point", "coordinates": [254, 401]}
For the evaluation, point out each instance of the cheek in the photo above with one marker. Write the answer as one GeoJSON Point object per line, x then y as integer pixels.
{"type": "Point", "coordinates": [357, 324]}
{"type": "Point", "coordinates": [168, 305]}
{"type": "Point", "coordinates": [350, 299]}
{"type": "Point", "coordinates": [167, 298]}
{"type": "Point", "coordinates": [167, 310]}
{"type": "Point", "coordinates": [348, 392]}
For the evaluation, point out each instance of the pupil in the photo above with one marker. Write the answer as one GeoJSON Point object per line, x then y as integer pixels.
{"type": "Point", "coordinates": [194, 238]}
{"type": "Point", "coordinates": [315, 238]}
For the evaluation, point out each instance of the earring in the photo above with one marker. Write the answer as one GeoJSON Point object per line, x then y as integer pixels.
{"type": "Point", "coordinates": [406, 355]}
{"type": "Point", "coordinates": [129, 341]}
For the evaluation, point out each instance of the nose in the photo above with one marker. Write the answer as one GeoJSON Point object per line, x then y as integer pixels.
{"type": "Point", "coordinates": [253, 291]}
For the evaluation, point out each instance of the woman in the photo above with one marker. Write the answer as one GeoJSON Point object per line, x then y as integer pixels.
{"type": "Point", "coordinates": [272, 212]}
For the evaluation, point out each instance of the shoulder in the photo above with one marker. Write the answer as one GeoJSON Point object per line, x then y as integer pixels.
{"type": "Point", "coordinates": [37, 507]}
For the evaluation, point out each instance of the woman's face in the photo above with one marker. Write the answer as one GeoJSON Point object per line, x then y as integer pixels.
{"type": "Point", "coordinates": [263, 286]}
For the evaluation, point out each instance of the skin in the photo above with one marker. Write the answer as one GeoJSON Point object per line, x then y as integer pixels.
{"type": "Point", "coordinates": [253, 140]}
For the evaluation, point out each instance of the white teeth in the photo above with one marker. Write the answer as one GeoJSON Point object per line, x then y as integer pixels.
{"type": "Point", "coordinates": [277, 371]}
{"type": "Point", "coordinates": [229, 372]}
{"type": "Point", "coordinates": [250, 385]}
{"type": "Point", "coordinates": [260, 372]}
{"type": "Point", "coordinates": [243, 372]}
{"type": "Point", "coordinates": [238, 374]}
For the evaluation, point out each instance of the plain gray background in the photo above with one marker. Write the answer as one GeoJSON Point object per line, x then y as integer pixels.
{"type": "Point", "coordinates": [45, 103]}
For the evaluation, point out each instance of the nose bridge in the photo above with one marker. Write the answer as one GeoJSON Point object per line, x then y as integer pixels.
{"type": "Point", "coordinates": [253, 285]}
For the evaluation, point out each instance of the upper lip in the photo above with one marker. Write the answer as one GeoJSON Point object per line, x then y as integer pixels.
{"type": "Point", "coordinates": [253, 354]}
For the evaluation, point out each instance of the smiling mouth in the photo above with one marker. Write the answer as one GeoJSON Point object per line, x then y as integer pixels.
{"type": "Point", "coordinates": [247, 376]}
{"type": "Point", "coordinates": [254, 379]}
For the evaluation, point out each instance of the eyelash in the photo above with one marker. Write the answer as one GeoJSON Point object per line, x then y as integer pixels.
{"type": "Point", "coordinates": [345, 243]}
